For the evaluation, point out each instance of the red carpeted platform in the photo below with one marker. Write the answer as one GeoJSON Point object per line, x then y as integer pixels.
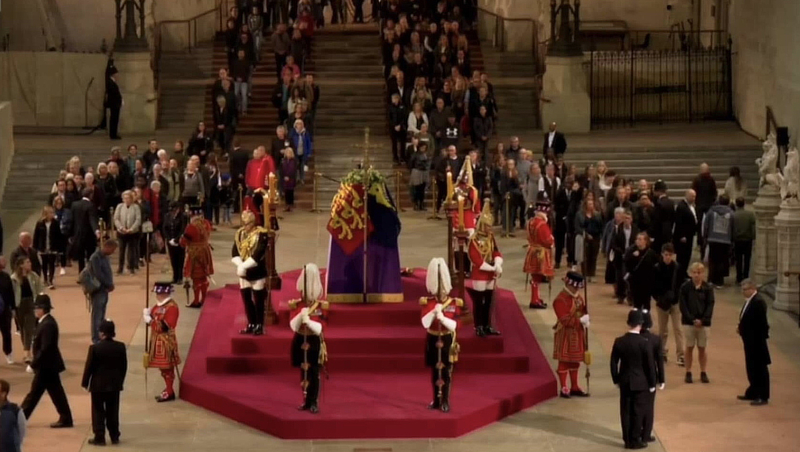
{"type": "Point", "coordinates": [378, 385]}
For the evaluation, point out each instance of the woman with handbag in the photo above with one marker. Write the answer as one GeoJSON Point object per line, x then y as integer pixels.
{"type": "Point", "coordinates": [27, 285]}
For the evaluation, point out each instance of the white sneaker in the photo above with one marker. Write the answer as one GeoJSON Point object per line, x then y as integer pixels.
{"type": "Point", "coordinates": [62, 272]}
{"type": "Point", "coordinates": [29, 369]}
{"type": "Point", "coordinates": [9, 359]}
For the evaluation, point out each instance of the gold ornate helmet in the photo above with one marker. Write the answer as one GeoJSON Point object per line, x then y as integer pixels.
{"type": "Point", "coordinates": [486, 220]}
{"type": "Point", "coordinates": [248, 218]}
{"type": "Point", "coordinates": [465, 175]}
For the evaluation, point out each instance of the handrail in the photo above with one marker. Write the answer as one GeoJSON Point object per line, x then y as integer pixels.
{"type": "Point", "coordinates": [191, 41]}
{"type": "Point", "coordinates": [539, 49]}
{"type": "Point", "coordinates": [772, 123]}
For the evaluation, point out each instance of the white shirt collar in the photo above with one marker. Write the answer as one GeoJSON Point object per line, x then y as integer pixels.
{"type": "Point", "coordinates": [43, 317]}
{"type": "Point", "coordinates": [751, 297]}
{"type": "Point", "coordinates": [165, 301]}
{"type": "Point", "coordinates": [633, 332]}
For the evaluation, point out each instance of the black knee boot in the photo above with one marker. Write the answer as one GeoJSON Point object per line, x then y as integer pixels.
{"type": "Point", "coordinates": [249, 310]}
{"type": "Point", "coordinates": [488, 299]}
{"type": "Point", "coordinates": [260, 297]}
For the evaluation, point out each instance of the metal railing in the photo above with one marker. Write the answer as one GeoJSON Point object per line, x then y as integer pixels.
{"type": "Point", "coordinates": [498, 31]}
{"type": "Point", "coordinates": [191, 25]}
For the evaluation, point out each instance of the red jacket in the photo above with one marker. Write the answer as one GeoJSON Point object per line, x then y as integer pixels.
{"type": "Point", "coordinates": [452, 311]}
{"type": "Point", "coordinates": [477, 258]}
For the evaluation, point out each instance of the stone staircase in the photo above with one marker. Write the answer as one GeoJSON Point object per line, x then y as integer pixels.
{"type": "Point", "coordinates": [516, 89]}
{"type": "Point", "coordinates": [182, 80]}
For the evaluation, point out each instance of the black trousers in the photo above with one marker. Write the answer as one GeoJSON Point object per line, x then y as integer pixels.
{"type": "Point", "coordinates": [683, 254]}
{"type": "Point", "coordinates": [561, 237]}
{"type": "Point", "coordinates": [51, 382]}
{"type": "Point", "coordinates": [649, 416]}
{"type": "Point", "coordinates": [128, 251]}
{"type": "Point", "coordinates": [620, 286]}
{"type": "Point", "coordinates": [359, 13]}
{"type": "Point", "coordinates": [632, 406]}
{"type": "Point", "coordinates": [254, 305]}
{"type": "Point", "coordinates": [177, 257]}
{"type": "Point", "coordinates": [312, 392]}
{"type": "Point", "coordinates": [113, 125]}
{"type": "Point", "coordinates": [48, 267]}
{"type": "Point", "coordinates": [742, 251]}
{"type": "Point", "coordinates": [432, 359]}
{"type": "Point", "coordinates": [5, 330]}
{"type": "Point", "coordinates": [105, 414]}
{"type": "Point", "coordinates": [280, 61]}
{"type": "Point", "coordinates": [398, 144]}
{"type": "Point", "coordinates": [640, 294]}
{"type": "Point", "coordinates": [441, 193]}
{"type": "Point", "coordinates": [419, 196]}
{"type": "Point", "coordinates": [718, 262]}
{"type": "Point", "coordinates": [757, 371]}
{"type": "Point", "coordinates": [482, 305]}
{"type": "Point", "coordinates": [85, 253]}
{"type": "Point", "coordinates": [289, 195]}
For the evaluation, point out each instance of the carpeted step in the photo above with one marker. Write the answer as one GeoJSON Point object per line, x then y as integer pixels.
{"type": "Point", "coordinates": [350, 339]}
{"type": "Point", "coordinates": [389, 363]}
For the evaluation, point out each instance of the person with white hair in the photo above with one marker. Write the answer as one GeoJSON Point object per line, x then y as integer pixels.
{"type": "Point", "coordinates": [309, 316]}
{"type": "Point", "coordinates": [440, 314]}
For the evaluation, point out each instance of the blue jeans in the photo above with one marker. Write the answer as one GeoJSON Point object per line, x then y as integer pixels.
{"type": "Point", "coordinates": [99, 303]}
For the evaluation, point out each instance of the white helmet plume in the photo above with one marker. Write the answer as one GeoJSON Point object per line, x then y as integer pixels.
{"type": "Point", "coordinates": [438, 276]}
{"type": "Point", "coordinates": [309, 278]}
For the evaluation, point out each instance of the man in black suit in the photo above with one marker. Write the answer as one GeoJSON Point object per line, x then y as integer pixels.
{"type": "Point", "coordinates": [85, 229]}
{"type": "Point", "coordinates": [555, 140]}
{"type": "Point", "coordinates": [103, 376]}
{"type": "Point", "coordinates": [26, 250]}
{"type": "Point", "coordinates": [663, 216]}
{"type": "Point", "coordinates": [238, 167]}
{"type": "Point", "coordinates": [754, 329]}
{"type": "Point", "coordinates": [624, 237]}
{"type": "Point", "coordinates": [685, 230]}
{"type": "Point", "coordinates": [654, 342]}
{"type": "Point", "coordinates": [632, 369]}
{"type": "Point", "coordinates": [114, 103]}
{"type": "Point", "coordinates": [562, 203]}
{"type": "Point", "coordinates": [47, 364]}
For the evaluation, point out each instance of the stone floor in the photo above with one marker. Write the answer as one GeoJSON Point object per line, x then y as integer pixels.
{"type": "Point", "coordinates": [689, 417]}
{"type": "Point", "coordinates": [697, 417]}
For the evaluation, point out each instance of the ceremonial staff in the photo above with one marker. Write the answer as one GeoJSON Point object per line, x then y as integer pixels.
{"type": "Point", "coordinates": [366, 167]}
{"type": "Point", "coordinates": [305, 347]}
{"type": "Point", "coordinates": [587, 355]}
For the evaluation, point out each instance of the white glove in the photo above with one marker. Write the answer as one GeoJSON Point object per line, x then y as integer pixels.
{"type": "Point", "coordinates": [439, 307]}
{"type": "Point", "coordinates": [440, 315]}
{"type": "Point", "coordinates": [304, 312]}
{"type": "Point", "coordinates": [661, 386]}
{"type": "Point", "coordinates": [498, 270]}
{"type": "Point", "coordinates": [241, 271]}
{"type": "Point", "coordinates": [306, 318]}
{"type": "Point", "coordinates": [585, 320]}
{"type": "Point", "coordinates": [652, 389]}
{"type": "Point", "coordinates": [172, 242]}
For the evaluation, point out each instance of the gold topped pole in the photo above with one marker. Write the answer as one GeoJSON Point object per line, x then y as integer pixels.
{"type": "Point", "coordinates": [366, 167]}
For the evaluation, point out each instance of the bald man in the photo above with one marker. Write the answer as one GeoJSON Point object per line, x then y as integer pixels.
{"type": "Point", "coordinates": [25, 249]}
{"type": "Point", "coordinates": [686, 221]}
{"type": "Point", "coordinates": [555, 140]}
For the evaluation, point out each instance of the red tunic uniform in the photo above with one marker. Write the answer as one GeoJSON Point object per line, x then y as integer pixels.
{"type": "Point", "coordinates": [539, 258]}
{"type": "Point", "coordinates": [472, 208]}
{"type": "Point", "coordinates": [199, 263]}
{"type": "Point", "coordinates": [164, 344]}
{"type": "Point", "coordinates": [258, 170]}
{"type": "Point", "coordinates": [569, 344]}
{"type": "Point", "coordinates": [452, 311]}
{"type": "Point", "coordinates": [483, 249]}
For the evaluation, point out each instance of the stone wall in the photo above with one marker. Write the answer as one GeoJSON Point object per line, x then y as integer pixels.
{"type": "Point", "coordinates": [35, 25]}
{"type": "Point", "coordinates": [6, 143]}
{"type": "Point", "coordinates": [766, 63]}
{"type": "Point", "coordinates": [50, 88]}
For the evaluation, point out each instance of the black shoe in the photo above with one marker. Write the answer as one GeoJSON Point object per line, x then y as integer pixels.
{"type": "Point", "coordinates": [314, 409]}
{"type": "Point", "coordinates": [557, 266]}
{"type": "Point", "coordinates": [563, 394]}
{"type": "Point", "coordinates": [445, 407]}
{"type": "Point", "coordinates": [302, 407]}
{"type": "Point", "coordinates": [542, 305]}
{"type": "Point", "coordinates": [578, 393]}
{"type": "Point", "coordinates": [61, 424]}
{"type": "Point", "coordinates": [490, 331]}
{"type": "Point", "coordinates": [116, 138]}
{"type": "Point", "coordinates": [248, 330]}
{"type": "Point", "coordinates": [479, 331]}
{"type": "Point", "coordinates": [258, 330]}
{"type": "Point", "coordinates": [115, 440]}
{"type": "Point", "coordinates": [434, 405]}
{"type": "Point", "coordinates": [688, 378]}
{"type": "Point", "coordinates": [704, 377]}
{"type": "Point", "coordinates": [759, 402]}
{"type": "Point", "coordinates": [744, 397]}
{"type": "Point", "coordinates": [620, 300]}
{"type": "Point", "coordinates": [96, 442]}
{"type": "Point", "coordinates": [651, 439]}
{"type": "Point", "coordinates": [636, 446]}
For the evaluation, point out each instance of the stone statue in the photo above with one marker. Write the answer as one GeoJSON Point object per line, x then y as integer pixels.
{"type": "Point", "coordinates": [790, 188]}
{"type": "Point", "coordinates": [768, 164]}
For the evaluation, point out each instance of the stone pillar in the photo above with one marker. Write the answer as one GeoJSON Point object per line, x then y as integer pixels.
{"type": "Point", "coordinates": [766, 207]}
{"type": "Point", "coordinates": [565, 94]}
{"type": "Point", "coordinates": [787, 225]}
{"type": "Point", "coordinates": [135, 79]}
